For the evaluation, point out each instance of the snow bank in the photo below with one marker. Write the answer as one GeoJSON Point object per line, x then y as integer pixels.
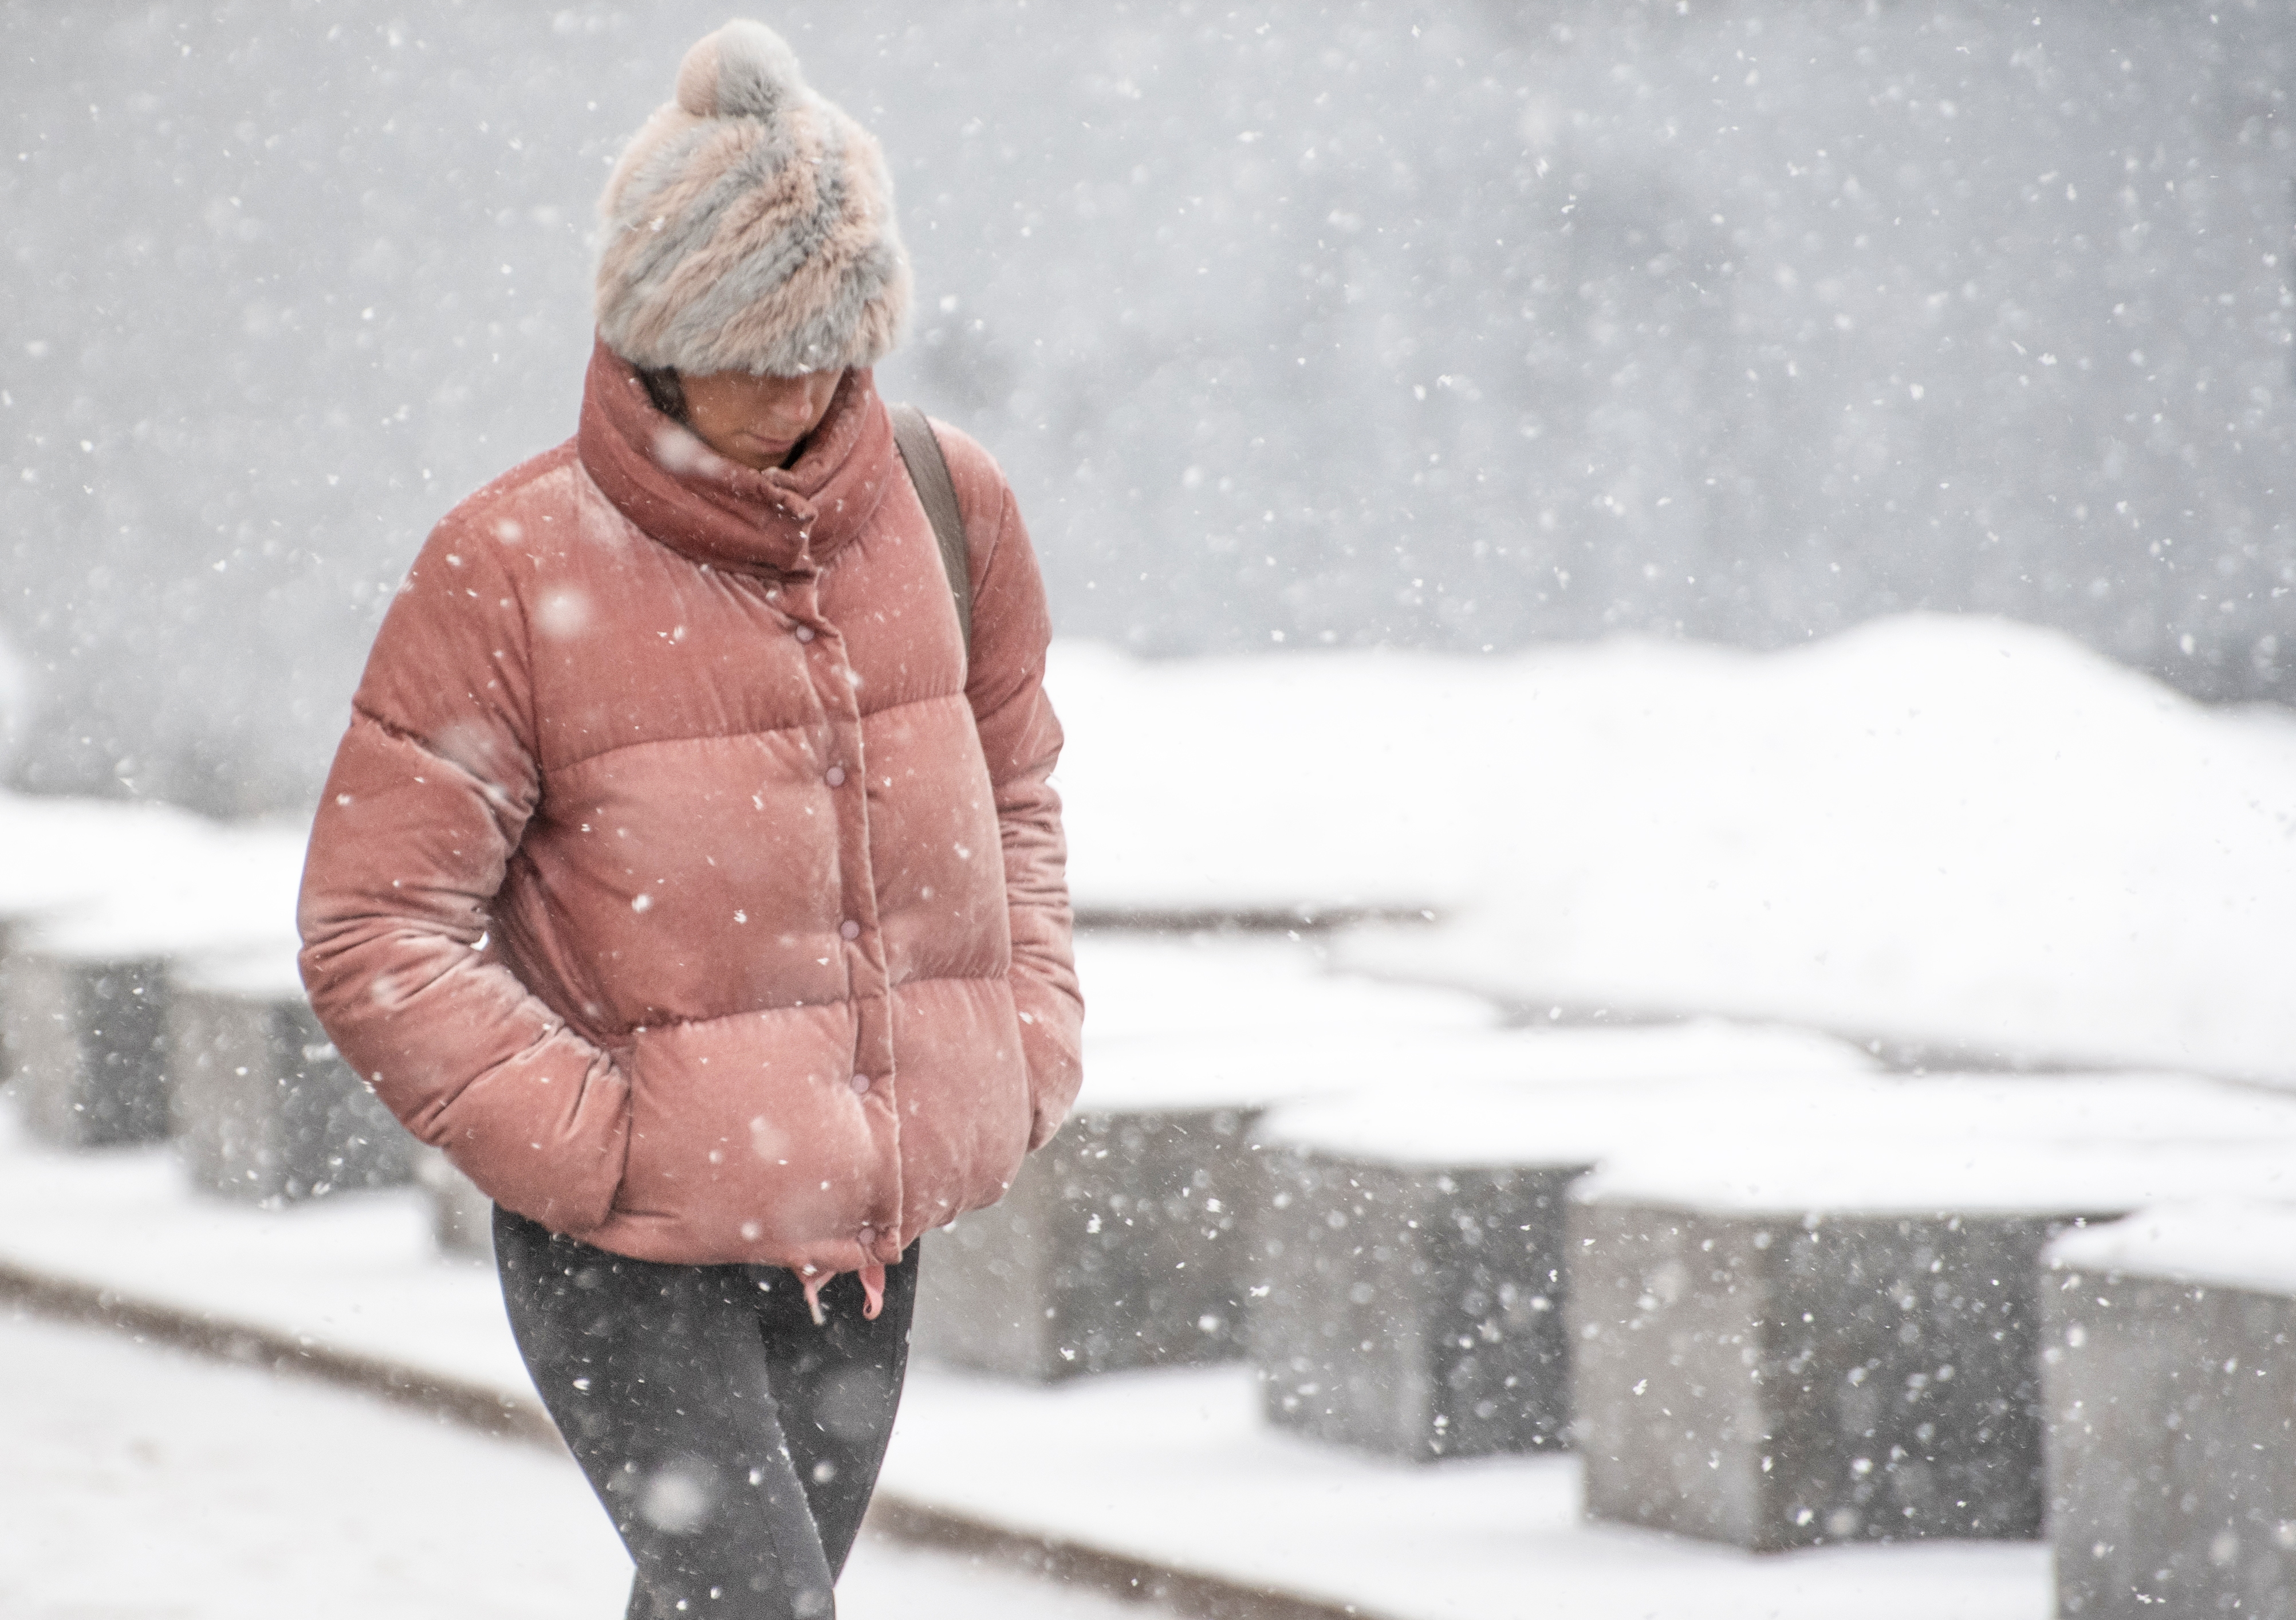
{"type": "Point", "coordinates": [1944, 830]}
{"type": "Point", "coordinates": [1312, 781]}
{"type": "Point", "coordinates": [1953, 832]}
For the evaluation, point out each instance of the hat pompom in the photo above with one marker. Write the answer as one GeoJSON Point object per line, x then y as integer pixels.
{"type": "Point", "coordinates": [743, 70]}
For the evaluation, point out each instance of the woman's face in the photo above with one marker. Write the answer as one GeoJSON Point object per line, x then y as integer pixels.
{"type": "Point", "coordinates": [757, 422]}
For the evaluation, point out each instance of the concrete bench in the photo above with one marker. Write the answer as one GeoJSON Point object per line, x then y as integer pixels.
{"type": "Point", "coordinates": [1120, 1244]}
{"type": "Point", "coordinates": [67, 855]}
{"type": "Point", "coordinates": [87, 1037]}
{"type": "Point", "coordinates": [462, 1217]}
{"type": "Point", "coordinates": [263, 1109]}
{"type": "Point", "coordinates": [1782, 1343]}
{"type": "Point", "coordinates": [98, 899]}
{"type": "Point", "coordinates": [1411, 1311]}
{"type": "Point", "coordinates": [2171, 1348]}
{"type": "Point", "coordinates": [1412, 1242]}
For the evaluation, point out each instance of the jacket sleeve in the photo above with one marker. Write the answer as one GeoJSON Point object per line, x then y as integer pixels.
{"type": "Point", "coordinates": [1011, 628]}
{"type": "Point", "coordinates": [430, 793]}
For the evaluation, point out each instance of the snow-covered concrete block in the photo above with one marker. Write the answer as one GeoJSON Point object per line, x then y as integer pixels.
{"type": "Point", "coordinates": [462, 1217]}
{"type": "Point", "coordinates": [1779, 1381]}
{"type": "Point", "coordinates": [1118, 1247]}
{"type": "Point", "coordinates": [100, 898]}
{"type": "Point", "coordinates": [1782, 1343]}
{"type": "Point", "coordinates": [2171, 1352]}
{"type": "Point", "coordinates": [264, 1109]}
{"type": "Point", "coordinates": [1120, 1244]}
{"type": "Point", "coordinates": [1412, 1312]}
{"type": "Point", "coordinates": [1411, 1241]}
{"type": "Point", "coordinates": [8, 1063]}
{"type": "Point", "coordinates": [87, 1039]}
{"type": "Point", "coordinates": [66, 856]}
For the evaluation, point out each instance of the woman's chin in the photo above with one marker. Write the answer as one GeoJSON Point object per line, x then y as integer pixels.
{"type": "Point", "coordinates": [757, 455]}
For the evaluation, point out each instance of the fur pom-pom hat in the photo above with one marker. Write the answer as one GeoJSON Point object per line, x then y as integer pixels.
{"type": "Point", "coordinates": [749, 225]}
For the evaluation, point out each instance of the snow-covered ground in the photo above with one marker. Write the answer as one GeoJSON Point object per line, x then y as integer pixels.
{"type": "Point", "coordinates": [143, 1485]}
{"type": "Point", "coordinates": [1169, 1467]}
{"type": "Point", "coordinates": [1172, 1468]}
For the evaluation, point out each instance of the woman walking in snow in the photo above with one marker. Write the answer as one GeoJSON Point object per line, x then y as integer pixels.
{"type": "Point", "coordinates": [686, 876]}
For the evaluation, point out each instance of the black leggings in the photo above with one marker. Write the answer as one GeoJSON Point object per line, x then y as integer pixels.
{"type": "Point", "coordinates": [733, 1443]}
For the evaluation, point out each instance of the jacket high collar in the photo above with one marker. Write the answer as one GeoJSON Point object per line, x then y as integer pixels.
{"type": "Point", "coordinates": [788, 521]}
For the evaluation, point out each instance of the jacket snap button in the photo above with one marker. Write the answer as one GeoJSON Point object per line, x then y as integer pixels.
{"type": "Point", "coordinates": [860, 1083]}
{"type": "Point", "coordinates": [850, 929]}
{"type": "Point", "coordinates": [836, 778]}
{"type": "Point", "coordinates": [805, 632]}
{"type": "Point", "coordinates": [868, 1234]}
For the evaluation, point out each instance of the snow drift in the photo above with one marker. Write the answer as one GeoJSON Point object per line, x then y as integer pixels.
{"type": "Point", "coordinates": [1950, 831]}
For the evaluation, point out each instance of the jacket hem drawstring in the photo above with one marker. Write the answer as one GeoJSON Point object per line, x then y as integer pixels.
{"type": "Point", "coordinates": [872, 1292]}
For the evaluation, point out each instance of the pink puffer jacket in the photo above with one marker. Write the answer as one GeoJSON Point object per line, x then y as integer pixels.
{"type": "Point", "coordinates": [677, 875]}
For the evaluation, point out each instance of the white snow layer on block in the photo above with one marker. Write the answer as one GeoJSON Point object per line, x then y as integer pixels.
{"type": "Point", "coordinates": [2100, 1145]}
{"type": "Point", "coordinates": [1205, 986]}
{"type": "Point", "coordinates": [1278, 1065]}
{"type": "Point", "coordinates": [1950, 830]}
{"type": "Point", "coordinates": [2217, 1242]}
{"type": "Point", "coordinates": [1547, 1096]}
{"type": "Point", "coordinates": [1212, 1021]}
{"type": "Point", "coordinates": [95, 880]}
{"type": "Point", "coordinates": [266, 972]}
{"type": "Point", "coordinates": [66, 853]}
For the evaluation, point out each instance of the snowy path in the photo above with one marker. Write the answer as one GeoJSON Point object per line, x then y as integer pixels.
{"type": "Point", "coordinates": [1172, 1468]}
{"type": "Point", "coordinates": [143, 1484]}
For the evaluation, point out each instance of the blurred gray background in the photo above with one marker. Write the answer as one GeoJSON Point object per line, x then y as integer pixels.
{"type": "Point", "coordinates": [1462, 325]}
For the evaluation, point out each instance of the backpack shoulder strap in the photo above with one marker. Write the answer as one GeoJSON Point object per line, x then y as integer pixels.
{"type": "Point", "coordinates": [921, 454]}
